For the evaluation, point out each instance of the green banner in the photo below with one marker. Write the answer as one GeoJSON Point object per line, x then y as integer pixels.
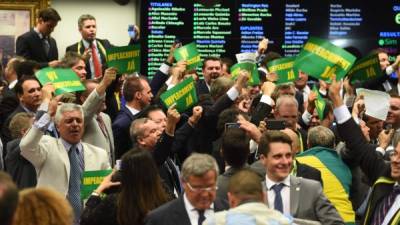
{"type": "Point", "coordinates": [190, 54]}
{"type": "Point", "coordinates": [365, 69]}
{"type": "Point", "coordinates": [126, 59]}
{"type": "Point", "coordinates": [284, 69]}
{"type": "Point", "coordinates": [63, 80]}
{"type": "Point", "coordinates": [321, 59]}
{"type": "Point", "coordinates": [183, 94]}
{"type": "Point", "coordinates": [91, 180]}
{"type": "Point", "coordinates": [251, 68]}
{"type": "Point", "coordinates": [320, 104]}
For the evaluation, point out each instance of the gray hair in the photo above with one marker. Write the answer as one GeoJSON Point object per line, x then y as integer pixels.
{"type": "Point", "coordinates": [286, 100]}
{"type": "Point", "coordinates": [67, 107]}
{"type": "Point", "coordinates": [135, 130]}
{"type": "Point", "coordinates": [197, 165]}
{"type": "Point", "coordinates": [84, 17]}
{"type": "Point", "coordinates": [220, 86]}
{"type": "Point", "coordinates": [321, 136]}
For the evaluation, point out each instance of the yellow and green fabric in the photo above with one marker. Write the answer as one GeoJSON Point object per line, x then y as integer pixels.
{"type": "Point", "coordinates": [336, 177]}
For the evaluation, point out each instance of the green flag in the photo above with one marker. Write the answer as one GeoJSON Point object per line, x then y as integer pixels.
{"type": "Point", "coordinates": [320, 104]}
{"type": "Point", "coordinates": [91, 180]}
{"type": "Point", "coordinates": [365, 69]}
{"type": "Point", "coordinates": [126, 59]}
{"type": "Point", "coordinates": [190, 54]}
{"type": "Point", "coordinates": [251, 68]}
{"type": "Point", "coordinates": [183, 94]}
{"type": "Point", "coordinates": [63, 80]}
{"type": "Point", "coordinates": [321, 59]}
{"type": "Point", "coordinates": [284, 69]}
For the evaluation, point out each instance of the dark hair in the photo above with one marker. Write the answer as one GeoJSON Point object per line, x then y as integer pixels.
{"type": "Point", "coordinates": [140, 193]}
{"type": "Point", "coordinates": [18, 87]}
{"type": "Point", "coordinates": [228, 62]}
{"type": "Point", "coordinates": [235, 147]}
{"type": "Point", "coordinates": [49, 14]}
{"type": "Point", "coordinates": [228, 116]}
{"type": "Point", "coordinates": [71, 59]}
{"type": "Point", "coordinates": [26, 68]}
{"type": "Point", "coordinates": [272, 136]}
{"type": "Point", "coordinates": [131, 85]}
{"type": "Point", "coordinates": [378, 50]}
{"type": "Point", "coordinates": [8, 198]}
{"type": "Point", "coordinates": [85, 92]}
{"type": "Point", "coordinates": [270, 56]}
{"type": "Point", "coordinates": [148, 109]}
{"type": "Point", "coordinates": [210, 58]}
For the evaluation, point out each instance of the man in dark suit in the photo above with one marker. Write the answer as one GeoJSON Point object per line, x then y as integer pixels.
{"type": "Point", "coordinates": [212, 69]}
{"type": "Point", "coordinates": [199, 179]}
{"type": "Point", "coordinates": [37, 44]}
{"type": "Point", "coordinates": [383, 205]}
{"type": "Point", "coordinates": [92, 48]}
{"type": "Point", "coordinates": [137, 94]}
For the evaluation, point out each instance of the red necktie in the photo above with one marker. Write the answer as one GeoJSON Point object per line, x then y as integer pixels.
{"type": "Point", "coordinates": [96, 63]}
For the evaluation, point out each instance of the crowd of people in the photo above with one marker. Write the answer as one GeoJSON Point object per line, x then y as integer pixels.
{"type": "Point", "coordinates": [220, 162]}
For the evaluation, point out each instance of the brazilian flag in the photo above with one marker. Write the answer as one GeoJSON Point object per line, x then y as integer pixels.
{"type": "Point", "coordinates": [336, 177]}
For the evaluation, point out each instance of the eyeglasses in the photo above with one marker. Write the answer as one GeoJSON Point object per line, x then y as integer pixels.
{"type": "Point", "coordinates": [199, 190]}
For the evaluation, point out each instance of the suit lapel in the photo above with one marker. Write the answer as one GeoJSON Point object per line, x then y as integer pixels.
{"type": "Point", "coordinates": [294, 194]}
{"type": "Point", "coordinates": [64, 157]}
{"type": "Point", "coordinates": [39, 46]}
{"type": "Point", "coordinates": [179, 212]}
{"type": "Point", "coordinates": [88, 155]}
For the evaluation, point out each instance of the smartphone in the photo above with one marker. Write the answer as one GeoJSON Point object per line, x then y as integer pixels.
{"type": "Point", "coordinates": [273, 124]}
{"type": "Point", "coordinates": [231, 125]}
{"type": "Point", "coordinates": [131, 31]}
{"type": "Point", "coordinates": [177, 43]}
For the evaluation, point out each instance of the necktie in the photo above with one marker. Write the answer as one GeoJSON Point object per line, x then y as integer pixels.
{"type": "Point", "coordinates": [75, 176]}
{"type": "Point", "coordinates": [278, 203]}
{"type": "Point", "coordinates": [201, 216]}
{"type": "Point", "coordinates": [96, 62]}
{"type": "Point", "coordinates": [385, 205]}
{"type": "Point", "coordinates": [46, 45]}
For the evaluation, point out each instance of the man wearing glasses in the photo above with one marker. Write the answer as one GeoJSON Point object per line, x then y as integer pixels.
{"type": "Point", "coordinates": [199, 180]}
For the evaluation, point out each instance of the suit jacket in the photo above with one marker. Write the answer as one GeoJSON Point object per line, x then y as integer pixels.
{"type": "Point", "coordinates": [8, 104]}
{"type": "Point", "coordinates": [174, 213]}
{"type": "Point", "coordinates": [30, 46]}
{"type": "Point", "coordinates": [50, 159]}
{"type": "Point", "coordinates": [120, 129]}
{"type": "Point", "coordinates": [102, 46]}
{"type": "Point", "coordinates": [95, 136]}
{"type": "Point", "coordinates": [371, 163]}
{"type": "Point", "coordinates": [201, 88]}
{"type": "Point", "coordinates": [5, 131]}
{"type": "Point", "coordinates": [308, 202]}
{"type": "Point", "coordinates": [21, 170]}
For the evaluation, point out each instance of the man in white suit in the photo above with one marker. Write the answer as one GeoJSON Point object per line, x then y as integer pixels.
{"type": "Point", "coordinates": [60, 162]}
{"type": "Point", "coordinates": [295, 196]}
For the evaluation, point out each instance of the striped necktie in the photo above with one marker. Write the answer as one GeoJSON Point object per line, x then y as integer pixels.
{"type": "Point", "coordinates": [385, 205]}
{"type": "Point", "coordinates": [75, 177]}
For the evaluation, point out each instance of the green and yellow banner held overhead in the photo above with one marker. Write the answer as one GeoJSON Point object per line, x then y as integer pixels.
{"type": "Point", "coordinates": [365, 69]}
{"type": "Point", "coordinates": [183, 94]}
{"type": "Point", "coordinates": [251, 68]}
{"type": "Point", "coordinates": [321, 59]}
{"type": "Point", "coordinates": [190, 54]}
{"type": "Point", "coordinates": [63, 80]}
{"type": "Point", "coordinates": [284, 69]}
{"type": "Point", "coordinates": [91, 180]}
{"type": "Point", "coordinates": [126, 59]}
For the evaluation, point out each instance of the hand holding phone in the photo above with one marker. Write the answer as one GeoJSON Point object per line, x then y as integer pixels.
{"type": "Point", "coordinates": [131, 31]}
{"type": "Point", "coordinates": [273, 124]}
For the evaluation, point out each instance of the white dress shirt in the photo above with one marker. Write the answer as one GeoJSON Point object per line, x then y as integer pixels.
{"type": "Point", "coordinates": [192, 212]}
{"type": "Point", "coordinates": [285, 193]}
{"type": "Point", "coordinates": [132, 110]}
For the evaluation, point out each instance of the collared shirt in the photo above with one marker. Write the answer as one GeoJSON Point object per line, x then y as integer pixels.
{"type": "Point", "coordinates": [86, 44]}
{"type": "Point", "coordinates": [305, 91]}
{"type": "Point", "coordinates": [192, 212]}
{"type": "Point", "coordinates": [392, 211]}
{"type": "Point", "coordinates": [38, 33]}
{"type": "Point", "coordinates": [14, 82]}
{"type": "Point", "coordinates": [132, 110]}
{"type": "Point", "coordinates": [79, 146]}
{"type": "Point", "coordinates": [285, 193]}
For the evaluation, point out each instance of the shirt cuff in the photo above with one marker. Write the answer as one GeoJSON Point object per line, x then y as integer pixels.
{"type": "Point", "coordinates": [306, 117]}
{"type": "Point", "coordinates": [169, 83]}
{"type": "Point", "coordinates": [267, 100]}
{"type": "Point", "coordinates": [43, 123]}
{"type": "Point", "coordinates": [98, 96]}
{"type": "Point", "coordinates": [164, 68]}
{"type": "Point", "coordinates": [380, 150]}
{"type": "Point", "coordinates": [323, 92]}
{"type": "Point", "coordinates": [232, 93]}
{"type": "Point", "coordinates": [342, 114]}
